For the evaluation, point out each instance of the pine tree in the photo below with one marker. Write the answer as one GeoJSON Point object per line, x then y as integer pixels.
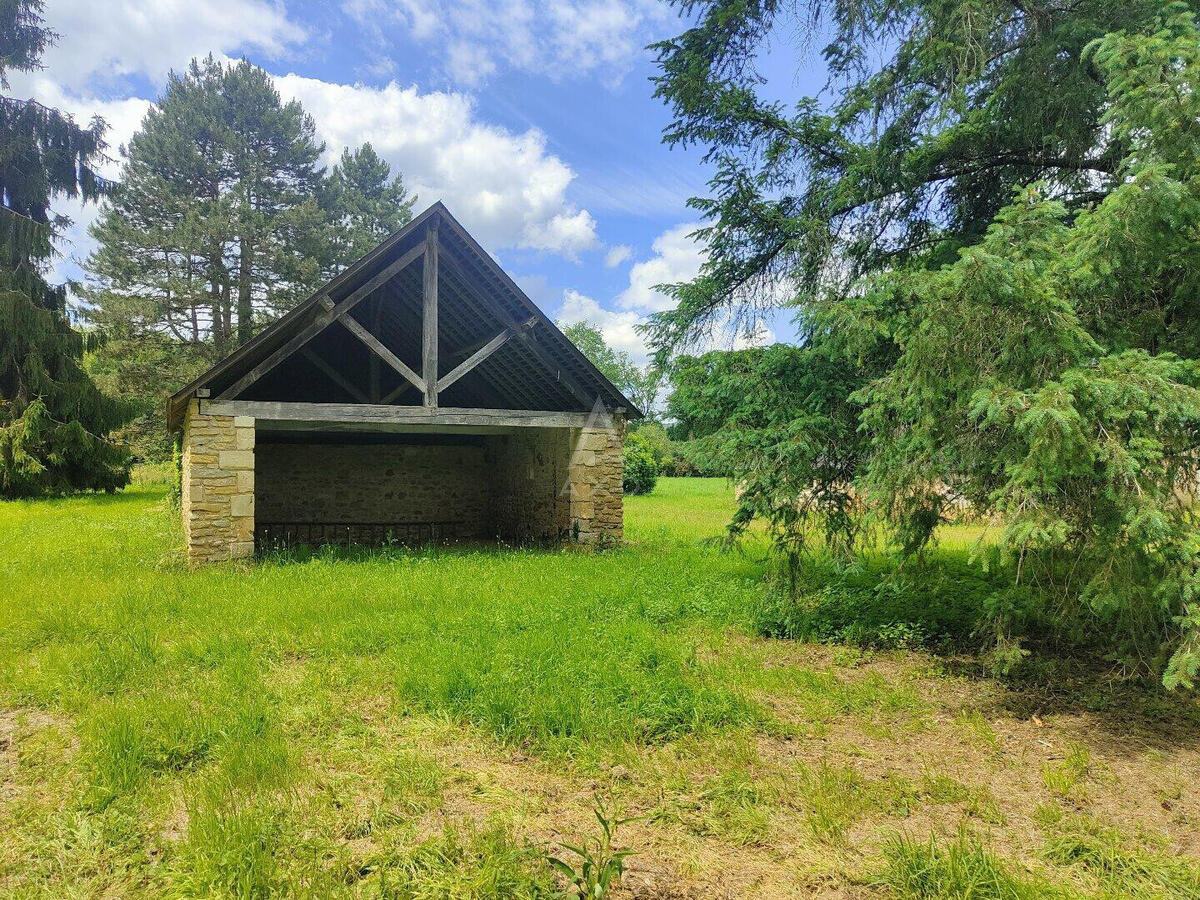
{"type": "Point", "coordinates": [54, 422]}
{"type": "Point", "coordinates": [364, 204]}
{"type": "Point", "coordinates": [215, 227]}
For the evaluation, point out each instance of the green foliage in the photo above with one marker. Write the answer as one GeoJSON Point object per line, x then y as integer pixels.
{"type": "Point", "coordinates": [1034, 361]}
{"type": "Point", "coordinates": [54, 423]}
{"type": "Point", "coordinates": [363, 205]}
{"type": "Point", "coordinates": [140, 369]}
{"type": "Point", "coordinates": [215, 227]}
{"type": "Point", "coordinates": [877, 605]}
{"type": "Point", "coordinates": [599, 865]}
{"type": "Point", "coordinates": [640, 384]}
{"type": "Point", "coordinates": [640, 472]}
{"type": "Point", "coordinates": [933, 112]}
{"type": "Point", "coordinates": [779, 422]}
{"type": "Point", "coordinates": [468, 863]}
{"type": "Point", "coordinates": [1124, 867]}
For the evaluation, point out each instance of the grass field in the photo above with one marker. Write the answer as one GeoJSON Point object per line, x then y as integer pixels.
{"type": "Point", "coordinates": [435, 723]}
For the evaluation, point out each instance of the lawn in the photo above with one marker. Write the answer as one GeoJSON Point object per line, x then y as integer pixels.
{"type": "Point", "coordinates": [435, 723]}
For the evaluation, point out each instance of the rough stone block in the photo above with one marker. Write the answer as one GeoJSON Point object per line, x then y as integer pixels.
{"type": "Point", "coordinates": [241, 505]}
{"type": "Point", "coordinates": [236, 459]}
{"type": "Point", "coordinates": [243, 421]}
{"type": "Point", "coordinates": [244, 439]}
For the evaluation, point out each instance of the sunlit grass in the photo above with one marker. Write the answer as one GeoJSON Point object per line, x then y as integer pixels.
{"type": "Point", "coordinates": [341, 723]}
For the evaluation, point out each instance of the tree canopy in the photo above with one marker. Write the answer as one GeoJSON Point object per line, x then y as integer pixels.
{"type": "Point", "coordinates": [1031, 353]}
{"type": "Point", "coordinates": [222, 221]}
{"type": "Point", "coordinates": [933, 112]}
{"type": "Point", "coordinates": [641, 384]}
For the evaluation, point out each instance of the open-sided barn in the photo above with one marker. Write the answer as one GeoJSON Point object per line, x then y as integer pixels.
{"type": "Point", "coordinates": [420, 395]}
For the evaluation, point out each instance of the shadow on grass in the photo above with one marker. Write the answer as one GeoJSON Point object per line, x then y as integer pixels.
{"type": "Point", "coordinates": [948, 607]}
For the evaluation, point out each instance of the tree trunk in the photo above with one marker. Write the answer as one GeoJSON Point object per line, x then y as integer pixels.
{"type": "Point", "coordinates": [245, 301]}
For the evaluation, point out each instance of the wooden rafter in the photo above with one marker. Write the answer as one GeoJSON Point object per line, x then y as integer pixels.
{"type": "Point", "coordinates": [332, 313]}
{"type": "Point", "coordinates": [529, 341]}
{"type": "Point", "coordinates": [429, 316]}
{"type": "Point", "coordinates": [479, 356]}
{"type": "Point", "coordinates": [334, 375]}
{"type": "Point", "coordinates": [352, 325]}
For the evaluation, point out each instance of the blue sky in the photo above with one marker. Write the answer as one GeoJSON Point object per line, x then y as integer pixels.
{"type": "Point", "coordinates": [533, 122]}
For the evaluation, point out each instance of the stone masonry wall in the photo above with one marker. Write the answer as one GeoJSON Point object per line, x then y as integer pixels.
{"type": "Point", "coordinates": [528, 473]}
{"type": "Point", "coordinates": [528, 484]}
{"type": "Point", "coordinates": [596, 469]}
{"type": "Point", "coordinates": [373, 483]}
{"type": "Point", "coordinates": [217, 490]}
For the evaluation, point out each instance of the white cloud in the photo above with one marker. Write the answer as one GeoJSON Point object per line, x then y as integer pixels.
{"type": "Point", "coordinates": [619, 328]}
{"type": "Point", "coordinates": [504, 186]}
{"type": "Point", "coordinates": [558, 39]}
{"type": "Point", "coordinates": [617, 255]}
{"type": "Point", "coordinates": [677, 257]}
{"type": "Point", "coordinates": [115, 38]}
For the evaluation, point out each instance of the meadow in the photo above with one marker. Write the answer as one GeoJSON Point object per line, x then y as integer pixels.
{"type": "Point", "coordinates": [439, 722]}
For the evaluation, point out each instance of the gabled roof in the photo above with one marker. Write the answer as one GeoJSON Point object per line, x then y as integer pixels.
{"type": "Point", "coordinates": [542, 370]}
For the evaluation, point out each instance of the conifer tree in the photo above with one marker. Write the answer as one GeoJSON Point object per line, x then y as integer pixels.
{"type": "Point", "coordinates": [54, 422]}
{"type": "Point", "coordinates": [364, 204]}
{"type": "Point", "coordinates": [215, 227]}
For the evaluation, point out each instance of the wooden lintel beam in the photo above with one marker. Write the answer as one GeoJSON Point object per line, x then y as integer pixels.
{"type": "Point", "coordinates": [331, 312]}
{"type": "Point", "coordinates": [334, 375]}
{"type": "Point", "coordinates": [352, 325]}
{"type": "Point", "coordinates": [429, 316]}
{"type": "Point", "coordinates": [378, 414]}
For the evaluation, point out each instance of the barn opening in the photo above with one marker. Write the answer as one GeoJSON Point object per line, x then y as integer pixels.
{"type": "Point", "coordinates": [419, 396]}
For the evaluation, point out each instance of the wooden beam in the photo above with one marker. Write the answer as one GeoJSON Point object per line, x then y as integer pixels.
{"type": "Point", "coordinates": [369, 413]}
{"type": "Point", "coordinates": [353, 326]}
{"type": "Point", "coordinates": [323, 321]}
{"type": "Point", "coordinates": [429, 316]}
{"type": "Point", "coordinates": [397, 391]}
{"type": "Point", "coordinates": [334, 375]}
{"type": "Point", "coordinates": [474, 359]}
{"type": "Point", "coordinates": [527, 340]}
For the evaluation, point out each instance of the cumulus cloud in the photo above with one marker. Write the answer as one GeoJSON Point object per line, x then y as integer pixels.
{"type": "Point", "coordinates": [507, 189]}
{"type": "Point", "coordinates": [617, 255]}
{"type": "Point", "coordinates": [558, 39]}
{"type": "Point", "coordinates": [677, 257]}
{"type": "Point", "coordinates": [619, 328]}
{"type": "Point", "coordinates": [115, 38]}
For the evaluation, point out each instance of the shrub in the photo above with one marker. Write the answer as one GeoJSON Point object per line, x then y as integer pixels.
{"type": "Point", "coordinates": [641, 470]}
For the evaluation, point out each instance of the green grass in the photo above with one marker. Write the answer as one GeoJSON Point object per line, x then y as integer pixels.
{"type": "Point", "coordinates": [963, 869]}
{"type": "Point", "coordinates": [430, 723]}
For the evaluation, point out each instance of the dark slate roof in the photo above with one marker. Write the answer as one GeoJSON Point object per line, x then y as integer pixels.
{"type": "Point", "coordinates": [476, 300]}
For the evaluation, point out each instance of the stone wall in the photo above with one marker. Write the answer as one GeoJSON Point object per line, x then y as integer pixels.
{"type": "Point", "coordinates": [528, 472]}
{"type": "Point", "coordinates": [217, 489]}
{"type": "Point", "coordinates": [525, 484]}
{"type": "Point", "coordinates": [596, 468]}
{"type": "Point", "coordinates": [374, 483]}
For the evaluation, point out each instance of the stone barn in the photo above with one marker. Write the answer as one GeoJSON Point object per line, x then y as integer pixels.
{"type": "Point", "coordinates": [419, 396]}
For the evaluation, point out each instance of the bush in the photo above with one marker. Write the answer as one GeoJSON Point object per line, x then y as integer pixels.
{"type": "Point", "coordinates": [641, 469]}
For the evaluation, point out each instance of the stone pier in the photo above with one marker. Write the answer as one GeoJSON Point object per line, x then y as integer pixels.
{"type": "Point", "coordinates": [217, 486]}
